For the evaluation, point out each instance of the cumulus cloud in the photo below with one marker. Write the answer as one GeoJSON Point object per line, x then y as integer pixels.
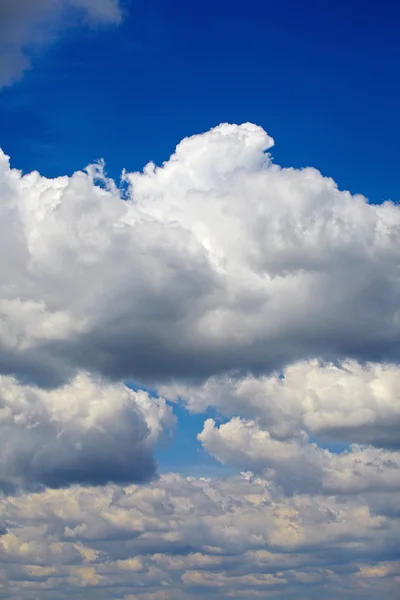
{"type": "Point", "coordinates": [87, 432]}
{"type": "Point", "coordinates": [284, 416]}
{"type": "Point", "coordinates": [26, 25]}
{"type": "Point", "coordinates": [217, 261]}
{"type": "Point", "coordinates": [226, 282]}
{"type": "Point", "coordinates": [346, 401]}
{"type": "Point", "coordinates": [186, 537]}
{"type": "Point", "coordinates": [299, 465]}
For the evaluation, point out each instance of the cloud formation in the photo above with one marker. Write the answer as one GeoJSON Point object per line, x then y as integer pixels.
{"type": "Point", "coordinates": [217, 261]}
{"type": "Point", "coordinates": [299, 465]}
{"type": "Point", "coordinates": [347, 401]}
{"type": "Point", "coordinates": [87, 432]}
{"type": "Point", "coordinates": [227, 282]}
{"type": "Point", "coordinates": [184, 538]}
{"type": "Point", "coordinates": [26, 25]}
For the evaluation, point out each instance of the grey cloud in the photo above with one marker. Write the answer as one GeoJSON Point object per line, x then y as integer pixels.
{"type": "Point", "coordinates": [87, 432]}
{"type": "Point", "coordinates": [26, 25]}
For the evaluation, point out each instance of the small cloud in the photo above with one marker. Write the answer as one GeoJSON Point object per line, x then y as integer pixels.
{"type": "Point", "coordinates": [29, 25]}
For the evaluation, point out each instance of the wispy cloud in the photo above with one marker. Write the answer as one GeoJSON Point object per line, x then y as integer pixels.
{"type": "Point", "coordinates": [27, 26]}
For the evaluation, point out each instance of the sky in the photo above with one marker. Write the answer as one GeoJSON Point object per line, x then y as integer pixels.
{"type": "Point", "coordinates": [199, 300]}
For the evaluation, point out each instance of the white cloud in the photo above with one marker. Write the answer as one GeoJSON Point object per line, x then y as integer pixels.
{"type": "Point", "coordinates": [346, 401]}
{"type": "Point", "coordinates": [26, 25]}
{"type": "Point", "coordinates": [299, 465]}
{"type": "Point", "coordinates": [217, 261]}
{"type": "Point", "coordinates": [87, 432]}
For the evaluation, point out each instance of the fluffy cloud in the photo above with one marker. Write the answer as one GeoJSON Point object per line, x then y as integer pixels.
{"type": "Point", "coordinates": [299, 465]}
{"type": "Point", "coordinates": [27, 24]}
{"type": "Point", "coordinates": [225, 281]}
{"type": "Point", "coordinates": [217, 261]}
{"type": "Point", "coordinates": [186, 537]}
{"type": "Point", "coordinates": [86, 432]}
{"type": "Point", "coordinates": [346, 401]}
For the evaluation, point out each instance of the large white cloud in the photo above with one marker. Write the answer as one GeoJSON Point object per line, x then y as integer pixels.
{"type": "Point", "coordinates": [217, 261]}
{"type": "Point", "coordinates": [87, 432]}
{"type": "Point", "coordinates": [28, 24]}
{"type": "Point", "coordinates": [186, 538]}
{"type": "Point", "coordinates": [283, 417]}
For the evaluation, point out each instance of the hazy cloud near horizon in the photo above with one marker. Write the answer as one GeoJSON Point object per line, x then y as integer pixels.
{"type": "Point", "coordinates": [184, 538]}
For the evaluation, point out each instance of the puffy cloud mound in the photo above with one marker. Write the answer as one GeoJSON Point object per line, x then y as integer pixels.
{"type": "Point", "coordinates": [86, 432]}
{"type": "Point", "coordinates": [217, 261]}
{"type": "Point", "coordinates": [27, 24]}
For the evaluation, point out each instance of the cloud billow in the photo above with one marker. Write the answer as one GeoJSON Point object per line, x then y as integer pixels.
{"type": "Point", "coordinates": [224, 281]}
{"type": "Point", "coordinates": [217, 261]}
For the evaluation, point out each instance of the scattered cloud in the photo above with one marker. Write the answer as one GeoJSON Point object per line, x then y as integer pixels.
{"type": "Point", "coordinates": [186, 537]}
{"type": "Point", "coordinates": [26, 25]}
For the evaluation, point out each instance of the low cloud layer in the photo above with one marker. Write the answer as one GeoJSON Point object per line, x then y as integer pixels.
{"type": "Point", "coordinates": [27, 25]}
{"type": "Point", "coordinates": [87, 432]}
{"type": "Point", "coordinates": [184, 538]}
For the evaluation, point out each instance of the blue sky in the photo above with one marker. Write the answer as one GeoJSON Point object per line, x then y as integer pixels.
{"type": "Point", "coordinates": [181, 452]}
{"type": "Point", "coordinates": [320, 77]}
{"type": "Point", "coordinates": [255, 308]}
